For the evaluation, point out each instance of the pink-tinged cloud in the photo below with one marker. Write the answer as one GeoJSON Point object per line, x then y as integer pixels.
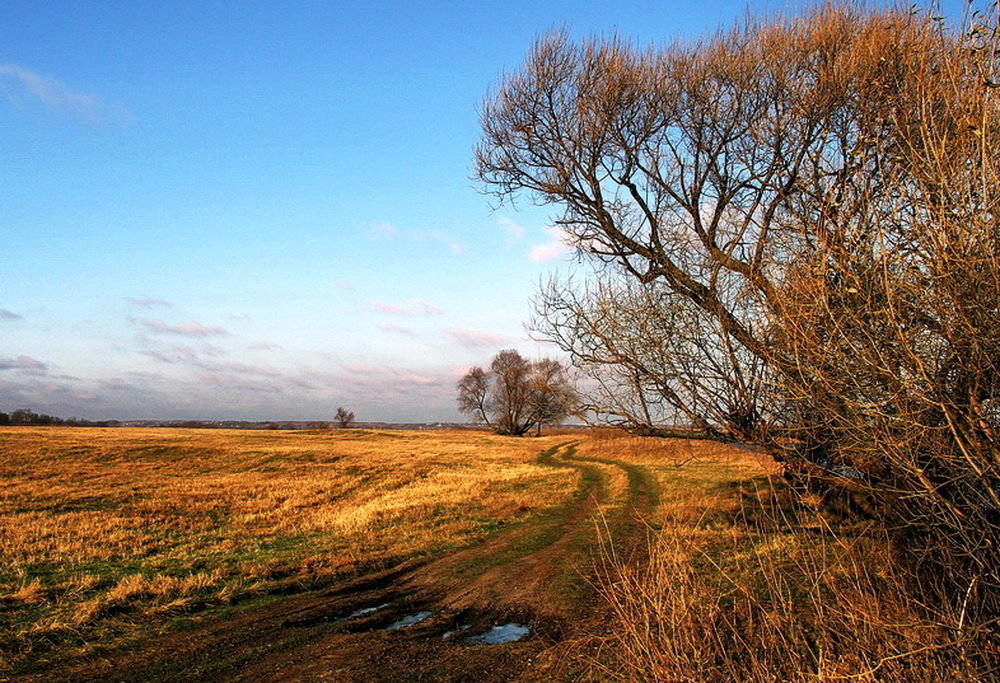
{"type": "Point", "coordinates": [425, 308]}
{"type": "Point", "coordinates": [184, 330]}
{"type": "Point", "coordinates": [397, 329]}
{"type": "Point", "coordinates": [476, 339]}
{"type": "Point", "coordinates": [388, 309]}
{"type": "Point", "coordinates": [552, 250]}
{"type": "Point", "coordinates": [345, 285]}
{"type": "Point", "coordinates": [416, 308]}
{"type": "Point", "coordinates": [24, 364]}
{"type": "Point", "coordinates": [264, 346]}
{"type": "Point", "coordinates": [18, 83]}
{"type": "Point", "coordinates": [148, 303]}
{"type": "Point", "coordinates": [9, 315]}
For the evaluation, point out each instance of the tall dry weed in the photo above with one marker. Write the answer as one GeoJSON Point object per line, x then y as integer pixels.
{"type": "Point", "coordinates": [782, 597]}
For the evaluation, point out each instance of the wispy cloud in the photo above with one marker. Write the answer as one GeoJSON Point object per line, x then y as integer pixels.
{"type": "Point", "coordinates": [416, 307]}
{"type": "Point", "coordinates": [9, 315]}
{"type": "Point", "coordinates": [477, 339]}
{"type": "Point", "coordinates": [148, 303]}
{"type": "Point", "coordinates": [18, 84]}
{"type": "Point", "coordinates": [552, 250]}
{"type": "Point", "coordinates": [24, 364]}
{"type": "Point", "coordinates": [425, 308]}
{"type": "Point", "coordinates": [264, 346]}
{"type": "Point", "coordinates": [397, 329]}
{"type": "Point", "coordinates": [512, 230]}
{"type": "Point", "coordinates": [384, 231]}
{"type": "Point", "coordinates": [388, 309]}
{"type": "Point", "coordinates": [185, 330]}
{"type": "Point", "coordinates": [345, 285]}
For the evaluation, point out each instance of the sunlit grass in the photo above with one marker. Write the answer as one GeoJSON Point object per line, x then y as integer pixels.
{"type": "Point", "coordinates": [101, 529]}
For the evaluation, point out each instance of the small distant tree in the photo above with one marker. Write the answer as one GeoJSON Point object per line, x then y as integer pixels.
{"type": "Point", "coordinates": [516, 395]}
{"type": "Point", "coordinates": [344, 417]}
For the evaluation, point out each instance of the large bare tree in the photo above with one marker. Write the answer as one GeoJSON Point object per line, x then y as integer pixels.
{"type": "Point", "coordinates": [795, 239]}
{"type": "Point", "coordinates": [517, 395]}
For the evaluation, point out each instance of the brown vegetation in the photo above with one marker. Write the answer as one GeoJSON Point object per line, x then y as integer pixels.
{"type": "Point", "coordinates": [794, 231]}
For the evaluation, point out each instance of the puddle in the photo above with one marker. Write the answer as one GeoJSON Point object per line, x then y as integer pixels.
{"type": "Point", "coordinates": [361, 612]}
{"type": "Point", "coordinates": [508, 633]}
{"type": "Point", "coordinates": [409, 621]}
{"type": "Point", "coordinates": [448, 634]}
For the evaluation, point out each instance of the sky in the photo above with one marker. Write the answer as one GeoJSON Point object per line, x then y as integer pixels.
{"type": "Point", "coordinates": [264, 210]}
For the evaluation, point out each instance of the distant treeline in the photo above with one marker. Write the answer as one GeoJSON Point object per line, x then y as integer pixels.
{"type": "Point", "coordinates": [24, 416]}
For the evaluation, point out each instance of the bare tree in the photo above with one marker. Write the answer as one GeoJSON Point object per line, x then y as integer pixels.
{"type": "Point", "coordinates": [516, 395]}
{"type": "Point", "coordinates": [344, 418]}
{"type": "Point", "coordinates": [796, 241]}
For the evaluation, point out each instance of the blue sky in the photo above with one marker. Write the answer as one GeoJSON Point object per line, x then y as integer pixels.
{"type": "Point", "coordinates": [263, 210]}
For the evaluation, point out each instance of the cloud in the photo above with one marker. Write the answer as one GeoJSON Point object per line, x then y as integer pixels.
{"type": "Point", "coordinates": [552, 250]}
{"type": "Point", "coordinates": [345, 285]}
{"type": "Point", "coordinates": [264, 346]}
{"type": "Point", "coordinates": [512, 230]}
{"type": "Point", "coordinates": [185, 330]}
{"type": "Point", "coordinates": [388, 309]}
{"type": "Point", "coordinates": [425, 308]}
{"type": "Point", "coordinates": [384, 231]}
{"type": "Point", "coordinates": [24, 364]}
{"type": "Point", "coordinates": [416, 307]}
{"type": "Point", "coordinates": [148, 303]}
{"type": "Point", "coordinates": [19, 83]}
{"type": "Point", "coordinates": [453, 245]}
{"type": "Point", "coordinates": [9, 315]}
{"type": "Point", "coordinates": [476, 339]}
{"type": "Point", "coordinates": [398, 329]}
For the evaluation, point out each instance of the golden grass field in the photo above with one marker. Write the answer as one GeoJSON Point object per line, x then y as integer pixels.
{"type": "Point", "coordinates": [99, 525]}
{"type": "Point", "coordinates": [112, 538]}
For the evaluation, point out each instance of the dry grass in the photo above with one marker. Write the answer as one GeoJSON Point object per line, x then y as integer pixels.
{"type": "Point", "coordinates": [742, 584]}
{"type": "Point", "coordinates": [101, 529]}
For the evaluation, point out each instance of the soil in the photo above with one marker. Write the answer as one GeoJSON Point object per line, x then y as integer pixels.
{"type": "Point", "coordinates": [539, 574]}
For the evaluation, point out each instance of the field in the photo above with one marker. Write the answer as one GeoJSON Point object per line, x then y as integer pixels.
{"type": "Point", "coordinates": [235, 555]}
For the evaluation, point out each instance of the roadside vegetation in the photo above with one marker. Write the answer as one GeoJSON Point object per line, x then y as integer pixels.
{"type": "Point", "coordinates": [743, 580]}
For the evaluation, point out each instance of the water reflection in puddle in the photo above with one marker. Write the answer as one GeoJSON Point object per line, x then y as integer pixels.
{"type": "Point", "coordinates": [508, 633]}
{"type": "Point", "coordinates": [458, 629]}
{"type": "Point", "coordinates": [361, 612]}
{"type": "Point", "coordinates": [409, 621]}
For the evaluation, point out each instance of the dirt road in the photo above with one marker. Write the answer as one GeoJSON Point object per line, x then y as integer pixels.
{"type": "Point", "coordinates": [443, 619]}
